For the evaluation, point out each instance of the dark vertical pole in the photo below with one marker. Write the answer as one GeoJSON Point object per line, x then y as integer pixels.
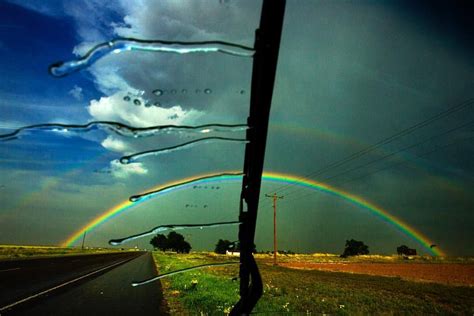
{"type": "Point", "coordinates": [275, 247]}
{"type": "Point", "coordinates": [267, 44]}
{"type": "Point", "coordinates": [83, 239]}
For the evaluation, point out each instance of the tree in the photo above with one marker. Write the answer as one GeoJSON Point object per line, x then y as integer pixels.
{"type": "Point", "coordinates": [355, 248]}
{"type": "Point", "coordinates": [222, 246]}
{"type": "Point", "coordinates": [177, 243]}
{"type": "Point", "coordinates": [174, 242]}
{"type": "Point", "coordinates": [406, 251]}
{"type": "Point", "coordinates": [159, 242]}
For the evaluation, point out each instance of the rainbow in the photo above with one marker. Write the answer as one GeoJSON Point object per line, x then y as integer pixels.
{"type": "Point", "coordinates": [280, 178]}
{"type": "Point", "coordinates": [335, 138]}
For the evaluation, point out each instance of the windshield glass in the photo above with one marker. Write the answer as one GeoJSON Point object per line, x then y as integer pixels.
{"type": "Point", "coordinates": [369, 139]}
{"type": "Point", "coordinates": [60, 178]}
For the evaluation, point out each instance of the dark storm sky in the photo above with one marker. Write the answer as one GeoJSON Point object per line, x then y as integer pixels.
{"type": "Point", "coordinates": [350, 74]}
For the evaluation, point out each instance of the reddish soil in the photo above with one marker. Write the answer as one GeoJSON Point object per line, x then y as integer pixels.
{"type": "Point", "coordinates": [446, 273]}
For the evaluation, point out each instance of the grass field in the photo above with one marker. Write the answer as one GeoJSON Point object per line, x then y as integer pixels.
{"type": "Point", "coordinates": [12, 252]}
{"type": "Point", "coordinates": [211, 290]}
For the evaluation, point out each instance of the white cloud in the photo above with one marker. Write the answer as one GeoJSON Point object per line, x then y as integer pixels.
{"type": "Point", "coordinates": [114, 108]}
{"type": "Point", "coordinates": [76, 93]}
{"type": "Point", "coordinates": [122, 171]}
{"type": "Point", "coordinates": [115, 144]}
{"type": "Point", "coordinates": [98, 21]}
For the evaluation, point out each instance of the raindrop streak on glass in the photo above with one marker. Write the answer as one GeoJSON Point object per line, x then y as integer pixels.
{"type": "Point", "coordinates": [61, 69]}
{"type": "Point", "coordinates": [150, 194]}
{"type": "Point", "coordinates": [125, 130]}
{"type": "Point", "coordinates": [190, 144]}
{"type": "Point", "coordinates": [208, 265]}
{"type": "Point", "coordinates": [163, 228]}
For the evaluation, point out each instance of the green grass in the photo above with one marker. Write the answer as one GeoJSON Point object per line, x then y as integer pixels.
{"type": "Point", "coordinates": [204, 290]}
{"type": "Point", "coordinates": [211, 290]}
{"type": "Point", "coordinates": [13, 252]}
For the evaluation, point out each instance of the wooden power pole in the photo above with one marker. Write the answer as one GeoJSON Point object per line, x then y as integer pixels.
{"type": "Point", "coordinates": [83, 239]}
{"type": "Point", "coordinates": [275, 198]}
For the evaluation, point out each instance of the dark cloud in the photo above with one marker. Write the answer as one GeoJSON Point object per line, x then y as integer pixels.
{"type": "Point", "coordinates": [349, 75]}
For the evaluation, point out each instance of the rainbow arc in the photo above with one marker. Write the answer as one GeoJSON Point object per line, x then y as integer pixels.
{"type": "Point", "coordinates": [271, 177]}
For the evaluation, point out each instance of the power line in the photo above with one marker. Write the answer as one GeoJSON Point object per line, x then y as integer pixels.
{"type": "Point", "coordinates": [393, 153]}
{"type": "Point", "coordinates": [387, 167]}
{"type": "Point", "coordinates": [384, 141]}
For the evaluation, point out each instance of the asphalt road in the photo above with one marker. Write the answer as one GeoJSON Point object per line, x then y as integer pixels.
{"type": "Point", "coordinates": [106, 293]}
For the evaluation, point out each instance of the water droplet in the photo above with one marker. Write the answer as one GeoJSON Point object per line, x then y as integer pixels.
{"type": "Point", "coordinates": [126, 98]}
{"type": "Point", "coordinates": [158, 92]}
{"type": "Point", "coordinates": [62, 69]}
{"type": "Point", "coordinates": [242, 91]}
{"type": "Point", "coordinates": [173, 91]}
{"type": "Point", "coordinates": [157, 104]}
{"type": "Point", "coordinates": [115, 242]}
{"type": "Point", "coordinates": [184, 91]}
{"type": "Point", "coordinates": [198, 91]}
{"type": "Point", "coordinates": [124, 160]}
{"type": "Point", "coordinates": [134, 198]}
{"type": "Point", "coordinates": [207, 91]}
{"type": "Point", "coordinates": [137, 102]}
{"type": "Point", "coordinates": [148, 104]}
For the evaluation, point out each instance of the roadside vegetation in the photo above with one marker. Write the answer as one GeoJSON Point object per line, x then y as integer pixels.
{"type": "Point", "coordinates": [212, 290]}
{"type": "Point", "coordinates": [12, 252]}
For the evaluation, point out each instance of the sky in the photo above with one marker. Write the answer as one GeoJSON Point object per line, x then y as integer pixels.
{"type": "Point", "coordinates": [399, 74]}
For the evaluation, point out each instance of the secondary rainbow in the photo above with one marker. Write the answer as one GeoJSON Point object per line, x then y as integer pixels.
{"type": "Point", "coordinates": [267, 177]}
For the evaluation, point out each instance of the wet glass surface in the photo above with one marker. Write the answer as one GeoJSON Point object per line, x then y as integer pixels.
{"type": "Point", "coordinates": [370, 133]}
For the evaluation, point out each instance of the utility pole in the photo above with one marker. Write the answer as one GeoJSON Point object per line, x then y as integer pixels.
{"type": "Point", "coordinates": [83, 240]}
{"type": "Point", "coordinates": [274, 197]}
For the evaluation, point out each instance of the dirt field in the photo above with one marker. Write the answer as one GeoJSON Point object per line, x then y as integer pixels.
{"type": "Point", "coordinates": [449, 273]}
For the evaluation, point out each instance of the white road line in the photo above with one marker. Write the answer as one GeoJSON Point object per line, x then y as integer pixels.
{"type": "Point", "coordinates": [59, 286]}
{"type": "Point", "coordinates": [12, 269]}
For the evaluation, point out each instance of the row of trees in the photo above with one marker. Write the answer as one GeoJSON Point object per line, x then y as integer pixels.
{"type": "Point", "coordinates": [176, 242]}
{"type": "Point", "coordinates": [355, 248]}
